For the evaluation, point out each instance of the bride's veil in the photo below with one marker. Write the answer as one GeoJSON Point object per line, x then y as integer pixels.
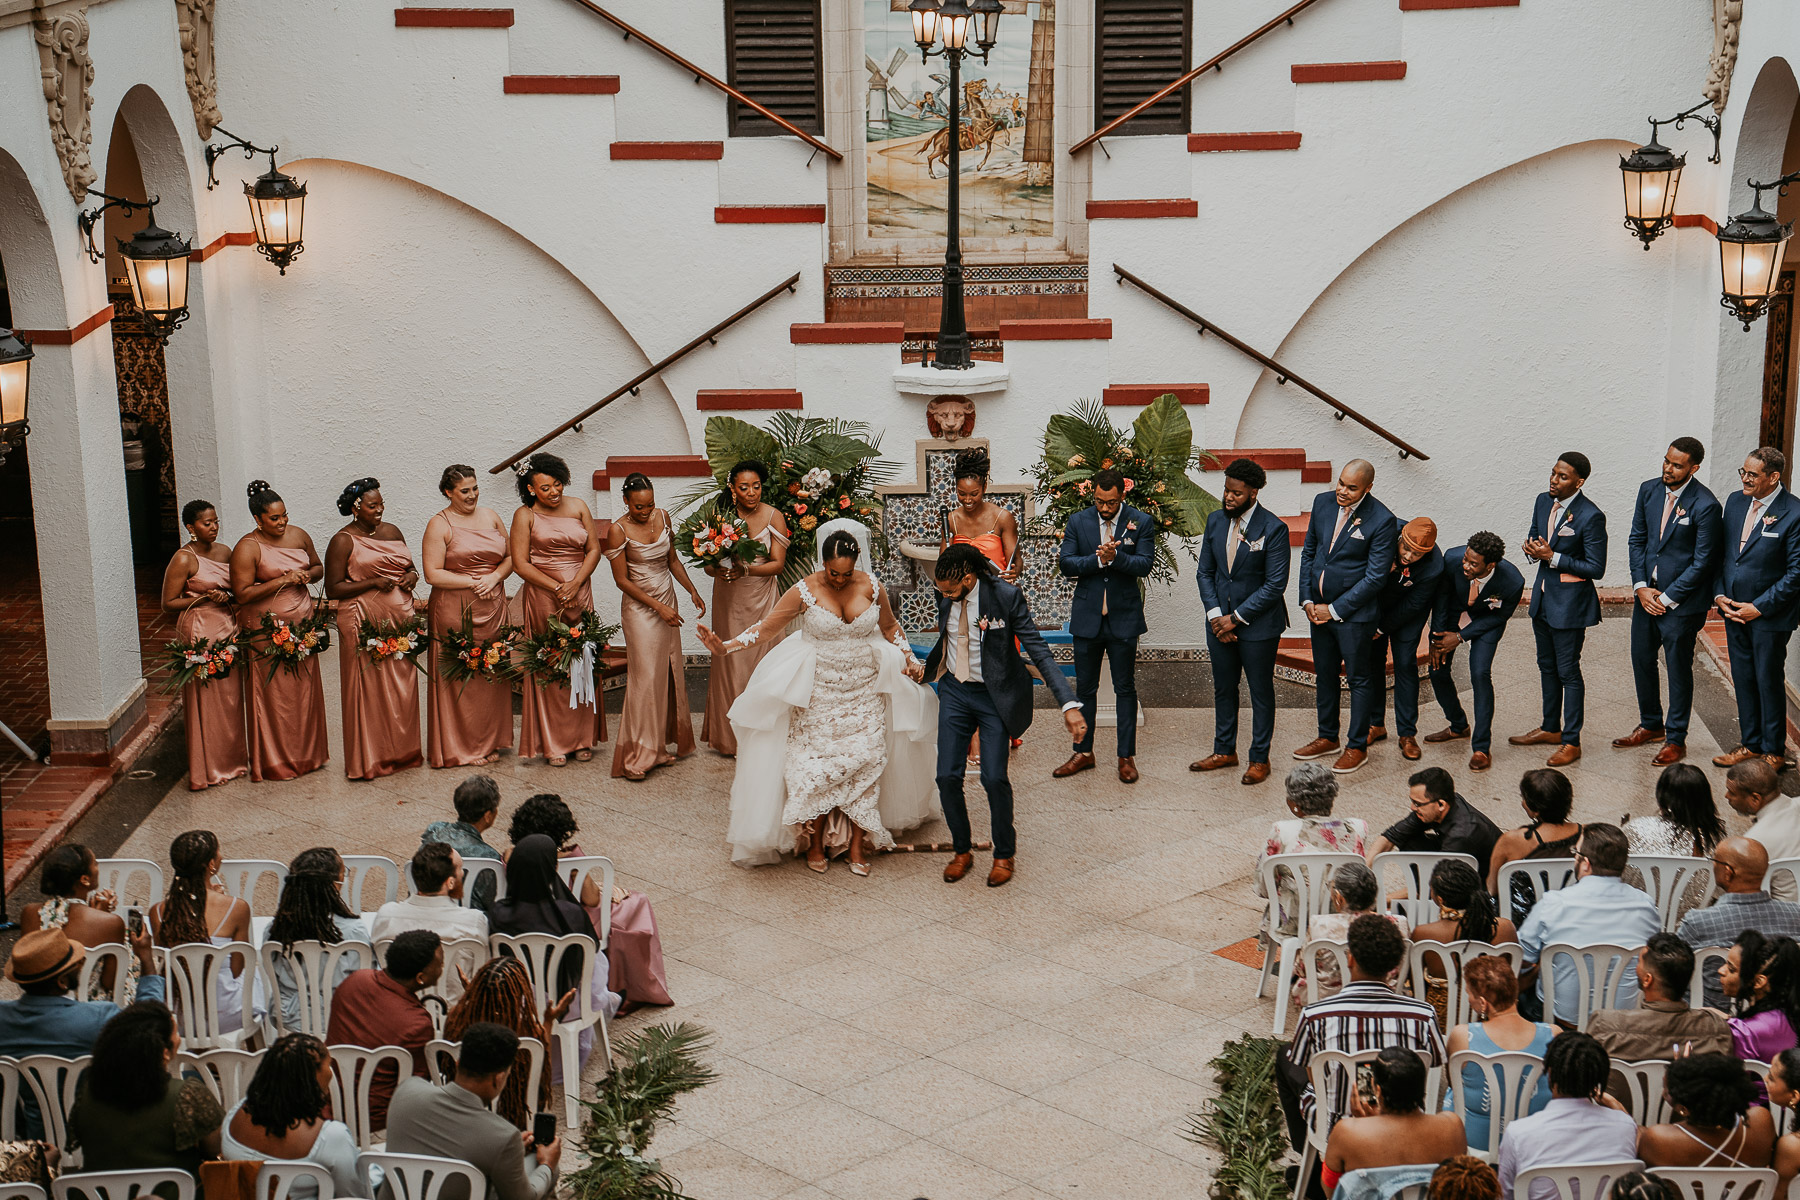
{"type": "Point", "coordinates": [855, 529]}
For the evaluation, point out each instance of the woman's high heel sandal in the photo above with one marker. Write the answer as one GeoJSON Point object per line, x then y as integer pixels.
{"type": "Point", "coordinates": [859, 868]}
{"type": "Point", "coordinates": [814, 834]}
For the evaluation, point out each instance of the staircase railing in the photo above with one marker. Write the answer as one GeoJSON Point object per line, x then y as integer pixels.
{"type": "Point", "coordinates": [631, 385]}
{"type": "Point", "coordinates": [1215, 63]}
{"type": "Point", "coordinates": [1282, 374]}
{"type": "Point", "coordinates": [702, 75]}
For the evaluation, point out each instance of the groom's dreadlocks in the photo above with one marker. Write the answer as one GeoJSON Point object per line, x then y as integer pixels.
{"type": "Point", "coordinates": [960, 560]}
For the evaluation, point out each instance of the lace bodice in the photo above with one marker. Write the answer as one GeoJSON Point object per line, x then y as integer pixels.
{"type": "Point", "coordinates": [823, 625]}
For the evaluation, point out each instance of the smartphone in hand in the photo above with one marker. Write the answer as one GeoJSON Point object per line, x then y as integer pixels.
{"type": "Point", "coordinates": [134, 922]}
{"type": "Point", "coordinates": [543, 1129]}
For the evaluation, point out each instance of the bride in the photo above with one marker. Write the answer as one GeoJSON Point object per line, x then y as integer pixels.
{"type": "Point", "coordinates": [836, 737]}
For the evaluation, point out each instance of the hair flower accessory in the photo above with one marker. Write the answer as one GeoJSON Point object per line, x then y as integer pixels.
{"type": "Point", "coordinates": [523, 467]}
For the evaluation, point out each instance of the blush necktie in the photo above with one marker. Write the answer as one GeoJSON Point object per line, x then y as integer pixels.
{"type": "Point", "coordinates": [1106, 528]}
{"type": "Point", "coordinates": [1749, 523]}
{"type": "Point", "coordinates": [1668, 507]}
{"type": "Point", "coordinates": [1462, 622]}
{"type": "Point", "coordinates": [962, 642]}
{"type": "Point", "coordinates": [1232, 538]}
{"type": "Point", "coordinates": [1343, 515]}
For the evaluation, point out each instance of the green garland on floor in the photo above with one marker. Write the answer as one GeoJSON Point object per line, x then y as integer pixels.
{"type": "Point", "coordinates": [1244, 1122]}
{"type": "Point", "coordinates": [652, 1069]}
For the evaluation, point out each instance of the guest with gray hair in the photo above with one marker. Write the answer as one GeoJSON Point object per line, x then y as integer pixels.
{"type": "Point", "coordinates": [1311, 791]}
{"type": "Point", "coordinates": [1354, 891]}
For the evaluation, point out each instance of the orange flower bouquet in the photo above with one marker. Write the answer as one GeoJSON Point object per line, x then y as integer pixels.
{"type": "Point", "coordinates": [549, 656]}
{"type": "Point", "coordinates": [462, 656]}
{"type": "Point", "coordinates": [288, 644]}
{"type": "Point", "coordinates": [383, 640]}
{"type": "Point", "coordinates": [719, 538]}
{"type": "Point", "coordinates": [200, 661]}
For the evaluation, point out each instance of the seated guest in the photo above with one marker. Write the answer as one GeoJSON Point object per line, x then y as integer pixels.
{"type": "Point", "coordinates": [1717, 1123]}
{"type": "Point", "coordinates": [1739, 866]}
{"type": "Point", "coordinates": [1497, 1029]}
{"type": "Point", "coordinates": [1784, 1075]}
{"type": "Point", "coordinates": [1662, 1025]}
{"type": "Point", "coordinates": [1464, 1177]}
{"type": "Point", "coordinates": [1441, 821]}
{"type": "Point", "coordinates": [1641, 1185]}
{"type": "Point", "coordinates": [1762, 977]}
{"type": "Point", "coordinates": [380, 1006]}
{"type": "Point", "coordinates": [1311, 791]}
{"type": "Point", "coordinates": [312, 909]}
{"type": "Point", "coordinates": [129, 1114]}
{"type": "Point", "coordinates": [67, 879]}
{"type": "Point", "coordinates": [477, 803]}
{"type": "Point", "coordinates": [1354, 891]}
{"type": "Point", "coordinates": [453, 1121]}
{"type": "Point", "coordinates": [285, 1117]}
{"type": "Point", "coordinates": [500, 994]}
{"type": "Point", "coordinates": [196, 909]}
{"type": "Point", "coordinates": [1686, 819]}
{"type": "Point", "coordinates": [437, 880]}
{"type": "Point", "coordinates": [1465, 914]}
{"type": "Point", "coordinates": [1598, 908]}
{"type": "Point", "coordinates": [1580, 1124]}
{"type": "Point", "coordinates": [1393, 1132]}
{"type": "Point", "coordinates": [1546, 797]}
{"type": "Point", "coordinates": [1753, 789]}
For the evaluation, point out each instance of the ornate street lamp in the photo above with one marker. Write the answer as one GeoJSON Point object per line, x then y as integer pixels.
{"type": "Point", "coordinates": [15, 390]}
{"type": "Point", "coordinates": [1653, 172]}
{"type": "Point", "coordinates": [277, 202]}
{"type": "Point", "coordinates": [946, 26]}
{"type": "Point", "coordinates": [1750, 250]}
{"type": "Point", "coordinates": [156, 265]}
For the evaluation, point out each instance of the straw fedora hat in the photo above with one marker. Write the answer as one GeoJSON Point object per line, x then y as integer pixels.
{"type": "Point", "coordinates": [43, 955]}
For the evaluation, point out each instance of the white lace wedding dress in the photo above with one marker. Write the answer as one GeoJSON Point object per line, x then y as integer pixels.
{"type": "Point", "coordinates": [828, 724]}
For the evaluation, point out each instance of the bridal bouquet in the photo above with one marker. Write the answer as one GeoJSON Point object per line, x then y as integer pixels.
{"type": "Point", "coordinates": [288, 644]}
{"type": "Point", "coordinates": [462, 656]}
{"type": "Point", "coordinates": [719, 538]}
{"type": "Point", "coordinates": [382, 640]}
{"type": "Point", "coordinates": [550, 656]}
{"type": "Point", "coordinates": [200, 661]}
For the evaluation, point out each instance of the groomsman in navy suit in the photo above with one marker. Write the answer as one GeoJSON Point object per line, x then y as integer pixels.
{"type": "Point", "coordinates": [1568, 541]}
{"type": "Point", "coordinates": [1675, 536]}
{"type": "Point", "coordinates": [1403, 609]}
{"type": "Point", "coordinates": [1243, 575]}
{"type": "Point", "coordinates": [1479, 594]}
{"type": "Point", "coordinates": [1108, 548]}
{"type": "Point", "coordinates": [1758, 592]}
{"type": "Point", "coordinates": [1343, 565]}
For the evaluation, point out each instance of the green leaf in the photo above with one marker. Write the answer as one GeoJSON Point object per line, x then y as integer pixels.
{"type": "Point", "coordinates": [1162, 432]}
{"type": "Point", "coordinates": [730, 441]}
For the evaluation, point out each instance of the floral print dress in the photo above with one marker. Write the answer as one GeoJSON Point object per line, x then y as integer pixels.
{"type": "Point", "coordinates": [53, 913]}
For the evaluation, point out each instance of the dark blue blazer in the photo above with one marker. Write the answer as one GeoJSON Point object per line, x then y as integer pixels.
{"type": "Point", "coordinates": [1766, 572]}
{"type": "Point", "coordinates": [1354, 570]}
{"type": "Point", "coordinates": [1253, 589]}
{"type": "Point", "coordinates": [1563, 596]}
{"type": "Point", "coordinates": [1680, 560]}
{"type": "Point", "coordinates": [1492, 608]}
{"type": "Point", "coordinates": [1002, 670]}
{"type": "Point", "coordinates": [1411, 590]}
{"type": "Point", "coordinates": [1118, 582]}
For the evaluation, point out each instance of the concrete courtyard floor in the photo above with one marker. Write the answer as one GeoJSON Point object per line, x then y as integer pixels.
{"type": "Point", "coordinates": [894, 1037]}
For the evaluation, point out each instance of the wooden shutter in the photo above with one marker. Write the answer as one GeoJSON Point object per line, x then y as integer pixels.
{"type": "Point", "coordinates": [773, 55]}
{"type": "Point", "coordinates": [1141, 46]}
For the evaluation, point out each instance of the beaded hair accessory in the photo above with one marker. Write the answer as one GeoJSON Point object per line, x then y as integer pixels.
{"type": "Point", "coordinates": [523, 467]}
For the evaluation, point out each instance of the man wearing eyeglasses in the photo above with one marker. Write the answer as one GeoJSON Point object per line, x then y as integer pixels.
{"type": "Point", "coordinates": [1758, 594]}
{"type": "Point", "coordinates": [1441, 822]}
{"type": "Point", "coordinates": [1739, 865]}
{"type": "Point", "coordinates": [1599, 908]}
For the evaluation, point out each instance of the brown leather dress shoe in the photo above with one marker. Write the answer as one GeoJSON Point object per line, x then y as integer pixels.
{"type": "Point", "coordinates": [1537, 737]}
{"type": "Point", "coordinates": [1256, 772]}
{"type": "Point", "coordinates": [1446, 735]}
{"type": "Point", "coordinates": [1670, 754]}
{"type": "Point", "coordinates": [1565, 754]}
{"type": "Point", "coordinates": [1128, 772]}
{"type": "Point", "coordinates": [1377, 733]}
{"type": "Point", "coordinates": [1076, 763]}
{"type": "Point", "coordinates": [1638, 737]}
{"type": "Point", "coordinates": [1348, 761]}
{"type": "Point", "coordinates": [1480, 761]}
{"type": "Point", "coordinates": [1213, 762]}
{"type": "Point", "coordinates": [957, 867]}
{"type": "Point", "coordinates": [1003, 871]}
{"type": "Point", "coordinates": [1775, 761]}
{"type": "Point", "coordinates": [1317, 748]}
{"type": "Point", "coordinates": [1409, 749]}
{"type": "Point", "coordinates": [1732, 758]}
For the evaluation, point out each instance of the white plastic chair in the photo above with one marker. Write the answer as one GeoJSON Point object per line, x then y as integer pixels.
{"type": "Point", "coordinates": [1669, 879]}
{"type": "Point", "coordinates": [542, 955]}
{"type": "Point", "coordinates": [1321, 1068]}
{"type": "Point", "coordinates": [121, 1185]}
{"type": "Point", "coordinates": [242, 876]}
{"type": "Point", "coordinates": [315, 969]}
{"type": "Point", "coordinates": [360, 867]}
{"type": "Point", "coordinates": [1511, 1079]}
{"type": "Point", "coordinates": [353, 1070]}
{"type": "Point", "coordinates": [1721, 1183]}
{"type": "Point", "coordinates": [1451, 957]}
{"type": "Point", "coordinates": [114, 874]}
{"type": "Point", "coordinates": [1339, 953]}
{"type": "Point", "coordinates": [419, 1176]}
{"type": "Point", "coordinates": [574, 870]}
{"type": "Point", "coordinates": [1783, 866]}
{"type": "Point", "coordinates": [1415, 873]}
{"type": "Point", "coordinates": [441, 1056]}
{"type": "Point", "coordinates": [9, 1100]}
{"type": "Point", "coordinates": [120, 956]}
{"type": "Point", "coordinates": [473, 869]}
{"type": "Point", "coordinates": [1546, 875]}
{"type": "Point", "coordinates": [226, 1073]}
{"type": "Point", "coordinates": [1600, 972]}
{"type": "Point", "coordinates": [467, 953]}
{"type": "Point", "coordinates": [191, 975]}
{"type": "Point", "coordinates": [53, 1083]}
{"type": "Point", "coordinates": [276, 1179]}
{"type": "Point", "coordinates": [1706, 966]}
{"type": "Point", "coordinates": [1644, 1095]}
{"type": "Point", "coordinates": [1311, 878]}
{"type": "Point", "coordinates": [1576, 1181]}
{"type": "Point", "coordinates": [22, 1191]}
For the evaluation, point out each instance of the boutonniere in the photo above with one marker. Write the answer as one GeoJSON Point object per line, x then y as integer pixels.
{"type": "Point", "coordinates": [1767, 521]}
{"type": "Point", "coordinates": [1355, 521]}
{"type": "Point", "coordinates": [1131, 527]}
{"type": "Point", "coordinates": [1681, 512]}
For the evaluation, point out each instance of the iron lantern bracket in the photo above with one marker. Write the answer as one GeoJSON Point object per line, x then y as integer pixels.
{"type": "Point", "coordinates": [215, 153]}
{"type": "Point", "coordinates": [91, 218]}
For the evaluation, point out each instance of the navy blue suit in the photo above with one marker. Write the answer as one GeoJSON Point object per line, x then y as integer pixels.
{"type": "Point", "coordinates": [1564, 603]}
{"type": "Point", "coordinates": [1107, 616]}
{"type": "Point", "coordinates": [1402, 611]}
{"type": "Point", "coordinates": [1347, 574]}
{"type": "Point", "coordinates": [1762, 569]}
{"type": "Point", "coordinates": [1677, 557]}
{"type": "Point", "coordinates": [1486, 623]}
{"type": "Point", "coordinates": [1251, 591]}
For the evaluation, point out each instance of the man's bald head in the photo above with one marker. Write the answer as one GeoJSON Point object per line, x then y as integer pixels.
{"type": "Point", "coordinates": [1361, 470]}
{"type": "Point", "coordinates": [1739, 864]}
{"type": "Point", "coordinates": [1354, 481]}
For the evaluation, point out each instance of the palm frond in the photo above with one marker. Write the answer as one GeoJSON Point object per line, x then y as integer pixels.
{"type": "Point", "coordinates": [652, 1070]}
{"type": "Point", "coordinates": [1244, 1122]}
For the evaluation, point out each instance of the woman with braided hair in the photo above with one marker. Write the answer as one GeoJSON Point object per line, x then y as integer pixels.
{"type": "Point", "coordinates": [1641, 1185]}
{"type": "Point", "coordinates": [283, 1117]}
{"type": "Point", "coordinates": [500, 992]}
{"type": "Point", "coordinates": [1466, 913]}
{"type": "Point", "coordinates": [1465, 1177]}
{"type": "Point", "coordinates": [198, 909]}
{"type": "Point", "coordinates": [312, 909]}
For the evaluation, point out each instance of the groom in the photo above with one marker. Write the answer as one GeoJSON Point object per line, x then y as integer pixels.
{"type": "Point", "coordinates": [983, 687]}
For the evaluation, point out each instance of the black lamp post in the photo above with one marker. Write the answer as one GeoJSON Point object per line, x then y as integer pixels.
{"type": "Point", "coordinates": [1653, 172]}
{"type": "Point", "coordinates": [15, 390]}
{"type": "Point", "coordinates": [277, 202]}
{"type": "Point", "coordinates": [947, 27]}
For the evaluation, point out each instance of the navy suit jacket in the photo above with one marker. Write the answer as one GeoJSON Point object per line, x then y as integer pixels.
{"type": "Point", "coordinates": [1353, 571]}
{"type": "Point", "coordinates": [1564, 595]}
{"type": "Point", "coordinates": [1117, 581]}
{"type": "Point", "coordinates": [1766, 571]}
{"type": "Point", "coordinates": [1678, 560]}
{"type": "Point", "coordinates": [1002, 670]}
{"type": "Point", "coordinates": [1252, 589]}
{"type": "Point", "coordinates": [1411, 589]}
{"type": "Point", "coordinates": [1493, 607]}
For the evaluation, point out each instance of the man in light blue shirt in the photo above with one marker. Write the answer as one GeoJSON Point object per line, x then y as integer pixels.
{"type": "Point", "coordinates": [1599, 908]}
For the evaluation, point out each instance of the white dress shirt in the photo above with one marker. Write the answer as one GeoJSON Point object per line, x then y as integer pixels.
{"type": "Point", "coordinates": [1564, 1131]}
{"type": "Point", "coordinates": [1242, 521]}
{"type": "Point", "coordinates": [440, 914]}
{"type": "Point", "coordinates": [1777, 827]}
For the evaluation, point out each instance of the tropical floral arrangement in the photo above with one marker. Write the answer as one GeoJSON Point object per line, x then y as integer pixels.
{"type": "Point", "coordinates": [1244, 1122]}
{"type": "Point", "coordinates": [1154, 456]}
{"type": "Point", "coordinates": [200, 661]}
{"type": "Point", "coordinates": [652, 1070]}
{"type": "Point", "coordinates": [383, 640]}
{"type": "Point", "coordinates": [819, 468]}
{"type": "Point", "coordinates": [548, 656]}
{"type": "Point", "coordinates": [721, 539]}
{"type": "Point", "coordinates": [287, 644]}
{"type": "Point", "coordinates": [462, 656]}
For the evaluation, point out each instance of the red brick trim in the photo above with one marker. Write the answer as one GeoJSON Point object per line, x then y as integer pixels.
{"type": "Point", "coordinates": [687, 151]}
{"type": "Point", "coordinates": [1349, 72]}
{"type": "Point", "coordinates": [1297, 528]}
{"type": "Point", "coordinates": [769, 214]}
{"type": "Point", "coordinates": [1428, 5]}
{"type": "Point", "coordinates": [1135, 394]}
{"type": "Point", "coordinates": [1098, 210]}
{"type": "Point", "coordinates": [1056, 330]}
{"type": "Point", "coordinates": [848, 333]}
{"type": "Point", "coordinates": [658, 466]}
{"type": "Point", "coordinates": [67, 337]}
{"type": "Point", "coordinates": [219, 243]}
{"type": "Point", "coordinates": [1272, 140]}
{"type": "Point", "coordinates": [453, 18]}
{"type": "Point", "coordinates": [756, 399]}
{"type": "Point", "coordinates": [1316, 472]}
{"type": "Point", "coordinates": [1284, 458]}
{"type": "Point", "coordinates": [561, 85]}
{"type": "Point", "coordinates": [1692, 220]}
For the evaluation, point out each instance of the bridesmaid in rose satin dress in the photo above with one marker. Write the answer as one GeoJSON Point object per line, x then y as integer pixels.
{"type": "Point", "coordinates": [370, 573]}
{"type": "Point", "coordinates": [197, 585]}
{"type": "Point", "coordinates": [466, 563]}
{"type": "Point", "coordinates": [555, 550]}
{"type": "Point", "coordinates": [271, 567]}
{"type": "Point", "coordinates": [742, 596]}
{"type": "Point", "coordinates": [641, 548]}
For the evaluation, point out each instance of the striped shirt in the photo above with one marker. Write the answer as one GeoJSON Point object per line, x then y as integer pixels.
{"type": "Point", "coordinates": [1363, 1016]}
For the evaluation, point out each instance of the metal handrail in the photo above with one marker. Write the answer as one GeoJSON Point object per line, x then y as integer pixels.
{"type": "Point", "coordinates": [653, 369]}
{"type": "Point", "coordinates": [1215, 63]}
{"type": "Point", "coordinates": [701, 74]}
{"type": "Point", "coordinates": [1282, 374]}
